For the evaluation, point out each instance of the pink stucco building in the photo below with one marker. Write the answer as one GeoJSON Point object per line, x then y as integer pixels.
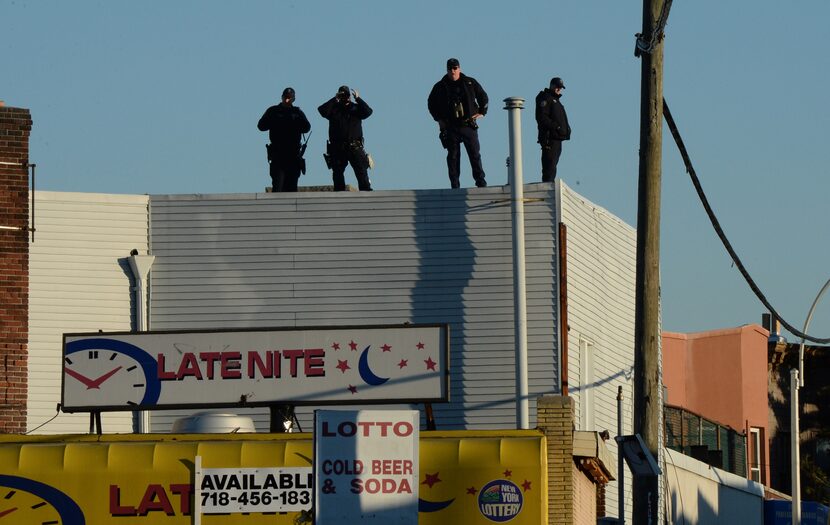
{"type": "Point", "coordinates": [721, 375]}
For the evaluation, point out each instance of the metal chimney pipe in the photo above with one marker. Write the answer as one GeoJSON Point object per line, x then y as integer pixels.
{"type": "Point", "coordinates": [513, 105]}
{"type": "Point", "coordinates": [140, 265]}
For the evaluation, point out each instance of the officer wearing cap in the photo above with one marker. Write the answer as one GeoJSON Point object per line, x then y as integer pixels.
{"type": "Point", "coordinates": [456, 102]}
{"type": "Point", "coordinates": [285, 124]}
{"type": "Point", "coordinates": [345, 144]}
{"type": "Point", "coordinates": [552, 122]}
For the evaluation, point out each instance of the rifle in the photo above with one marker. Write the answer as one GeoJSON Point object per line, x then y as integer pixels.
{"type": "Point", "coordinates": [300, 154]}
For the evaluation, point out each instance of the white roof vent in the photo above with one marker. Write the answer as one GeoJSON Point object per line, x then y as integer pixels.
{"type": "Point", "coordinates": [213, 423]}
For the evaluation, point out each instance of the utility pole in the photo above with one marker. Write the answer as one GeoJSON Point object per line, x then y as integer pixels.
{"type": "Point", "coordinates": [646, 327]}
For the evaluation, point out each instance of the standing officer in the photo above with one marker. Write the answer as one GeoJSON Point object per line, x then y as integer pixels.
{"type": "Point", "coordinates": [285, 125]}
{"type": "Point", "coordinates": [553, 126]}
{"type": "Point", "coordinates": [346, 138]}
{"type": "Point", "coordinates": [456, 102]}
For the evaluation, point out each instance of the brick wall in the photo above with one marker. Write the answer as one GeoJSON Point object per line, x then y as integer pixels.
{"type": "Point", "coordinates": [585, 499]}
{"type": "Point", "coordinates": [15, 125]}
{"type": "Point", "coordinates": [555, 418]}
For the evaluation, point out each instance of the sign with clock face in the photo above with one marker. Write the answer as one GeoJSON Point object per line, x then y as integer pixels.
{"type": "Point", "coordinates": [28, 501]}
{"type": "Point", "coordinates": [300, 366]}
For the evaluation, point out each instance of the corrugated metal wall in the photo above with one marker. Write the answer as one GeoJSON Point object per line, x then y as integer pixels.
{"type": "Point", "coordinates": [602, 262]}
{"type": "Point", "coordinates": [324, 259]}
{"type": "Point", "coordinates": [79, 282]}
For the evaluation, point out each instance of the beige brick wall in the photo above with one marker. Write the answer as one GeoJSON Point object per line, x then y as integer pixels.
{"type": "Point", "coordinates": [585, 499]}
{"type": "Point", "coordinates": [555, 418]}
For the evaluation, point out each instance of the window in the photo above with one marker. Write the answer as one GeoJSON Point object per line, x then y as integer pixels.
{"type": "Point", "coordinates": [755, 455]}
{"type": "Point", "coordinates": [586, 384]}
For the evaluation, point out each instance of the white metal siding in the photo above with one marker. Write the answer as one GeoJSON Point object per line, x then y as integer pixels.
{"type": "Point", "coordinates": [601, 293]}
{"type": "Point", "coordinates": [79, 281]}
{"type": "Point", "coordinates": [323, 259]}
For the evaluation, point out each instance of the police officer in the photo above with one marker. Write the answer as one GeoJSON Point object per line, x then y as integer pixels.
{"type": "Point", "coordinates": [456, 102]}
{"type": "Point", "coordinates": [346, 137]}
{"type": "Point", "coordinates": [552, 122]}
{"type": "Point", "coordinates": [285, 124]}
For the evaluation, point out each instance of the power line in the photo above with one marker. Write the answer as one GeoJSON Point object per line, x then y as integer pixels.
{"type": "Point", "coordinates": [722, 236]}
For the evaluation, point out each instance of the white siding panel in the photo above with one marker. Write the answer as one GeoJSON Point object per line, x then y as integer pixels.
{"type": "Point", "coordinates": [322, 259]}
{"type": "Point", "coordinates": [601, 293]}
{"type": "Point", "coordinates": [79, 281]}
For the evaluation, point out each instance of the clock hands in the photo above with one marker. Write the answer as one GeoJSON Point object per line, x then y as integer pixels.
{"type": "Point", "coordinates": [7, 511]}
{"type": "Point", "coordinates": [91, 383]}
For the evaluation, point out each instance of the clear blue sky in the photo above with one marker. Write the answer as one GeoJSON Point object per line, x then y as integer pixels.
{"type": "Point", "coordinates": [163, 97]}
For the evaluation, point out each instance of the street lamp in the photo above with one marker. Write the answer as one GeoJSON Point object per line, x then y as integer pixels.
{"type": "Point", "coordinates": [797, 381]}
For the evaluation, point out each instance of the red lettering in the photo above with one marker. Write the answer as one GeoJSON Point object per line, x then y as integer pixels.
{"type": "Point", "coordinates": [210, 358]}
{"type": "Point", "coordinates": [384, 485]}
{"type": "Point", "coordinates": [403, 429]}
{"type": "Point", "coordinates": [149, 504]}
{"type": "Point", "coordinates": [292, 356]}
{"type": "Point", "coordinates": [155, 498]}
{"type": "Point", "coordinates": [314, 362]}
{"type": "Point", "coordinates": [365, 426]}
{"type": "Point", "coordinates": [163, 374]}
{"type": "Point", "coordinates": [391, 467]}
{"type": "Point", "coordinates": [116, 509]}
{"type": "Point", "coordinates": [384, 425]}
{"type": "Point", "coordinates": [265, 368]}
{"type": "Point", "coordinates": [189, 367]}
{"type": "Point", "coordinates": [326, 432]}
{"type": "Point", "coordinates": [231, 366]}
{"type": "Point", "coordinates": [342, 466]}
{"type": "Point", "coordinates": [184, 491]}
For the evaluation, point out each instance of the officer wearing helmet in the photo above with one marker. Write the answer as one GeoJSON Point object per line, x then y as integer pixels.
{"type": "Point", "coordinates": [552, 122]}
{"type": "Point", "coordinates": [285, 124]}
{"type": "Point", "coordinates": [345, 144]}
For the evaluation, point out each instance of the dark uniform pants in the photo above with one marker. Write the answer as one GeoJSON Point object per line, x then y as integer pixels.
{"type": "Point", "coordinates": [342, 157]}
{"type": "Point", "coordinates": [550, 158]}
{"type": "Point", "coordinates": [469, 136]}
{"type": "Point", "coordinates": [285, 175]}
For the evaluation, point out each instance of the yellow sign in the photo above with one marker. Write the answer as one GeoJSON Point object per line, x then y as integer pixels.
{"type": "Point", "coordinates": [466, 477]}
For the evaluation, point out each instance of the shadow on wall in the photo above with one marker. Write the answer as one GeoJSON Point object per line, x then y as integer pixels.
{"type": "Point", "coordinates": [445, 272]}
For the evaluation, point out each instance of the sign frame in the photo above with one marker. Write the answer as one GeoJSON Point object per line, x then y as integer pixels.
{"type": "Point", "coordinates": [146, 367]}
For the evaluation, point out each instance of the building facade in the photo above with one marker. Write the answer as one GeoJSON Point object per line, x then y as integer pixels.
{"type": "Point", "coordinates": [721, 375]}
{"type": "Point", "coordinates": [322, 259]}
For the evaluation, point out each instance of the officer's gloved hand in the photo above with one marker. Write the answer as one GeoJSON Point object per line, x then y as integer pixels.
{"type": "Point", "coordinates": [355, 94]}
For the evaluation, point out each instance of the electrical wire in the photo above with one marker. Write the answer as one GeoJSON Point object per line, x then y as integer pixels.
{"type": "Point", "coordinates": [46, 422]}
{"type": "Point", "coordinates": [722, 236]}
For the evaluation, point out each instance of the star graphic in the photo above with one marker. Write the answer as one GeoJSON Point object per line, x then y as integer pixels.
{"type": "Point", "coordinates": [431, 479]}
{"type": "Point", "coordinates": [403, 363]}
{"type": "Point", "coordinates": [335, 346]}
{"type": "Point", "coordinates": [420, 346]}
{"type": "Point", "coordinates": [353, 346]}
{"type": "Point", "coordinates": [386, 348]}
{"type": "Point", "coordinates": [508, 473]}
{"type": "Point", "coordinates": [526, 485]}
{"type": "Point", "coordinates": [430, 364]}
{"type": "Point", "coordinates": [472, 490]}
{"type": "Point", "coordinates": [353, 389]}
{"type": "Point", "coordinates": [343, 365]}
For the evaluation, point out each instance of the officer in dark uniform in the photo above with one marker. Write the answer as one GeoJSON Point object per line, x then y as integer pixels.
{"type": "Point", "coordinates": [285, 124]}
{"type": "Point", "coordinates": [552, 122]}
{"type": "Point", "coordinates": [456, 102]}
{"type": "Point", "coordinates": [346, 137]}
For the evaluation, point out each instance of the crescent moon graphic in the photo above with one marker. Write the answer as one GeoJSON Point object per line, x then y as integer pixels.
{"type": "Point", "coordinates": [433, 506]}
{"type": "Point", "coordinates": [366, 373]}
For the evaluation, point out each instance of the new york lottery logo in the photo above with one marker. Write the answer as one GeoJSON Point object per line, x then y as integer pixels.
{"type": "Point", "coordinates": [500, 500]}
